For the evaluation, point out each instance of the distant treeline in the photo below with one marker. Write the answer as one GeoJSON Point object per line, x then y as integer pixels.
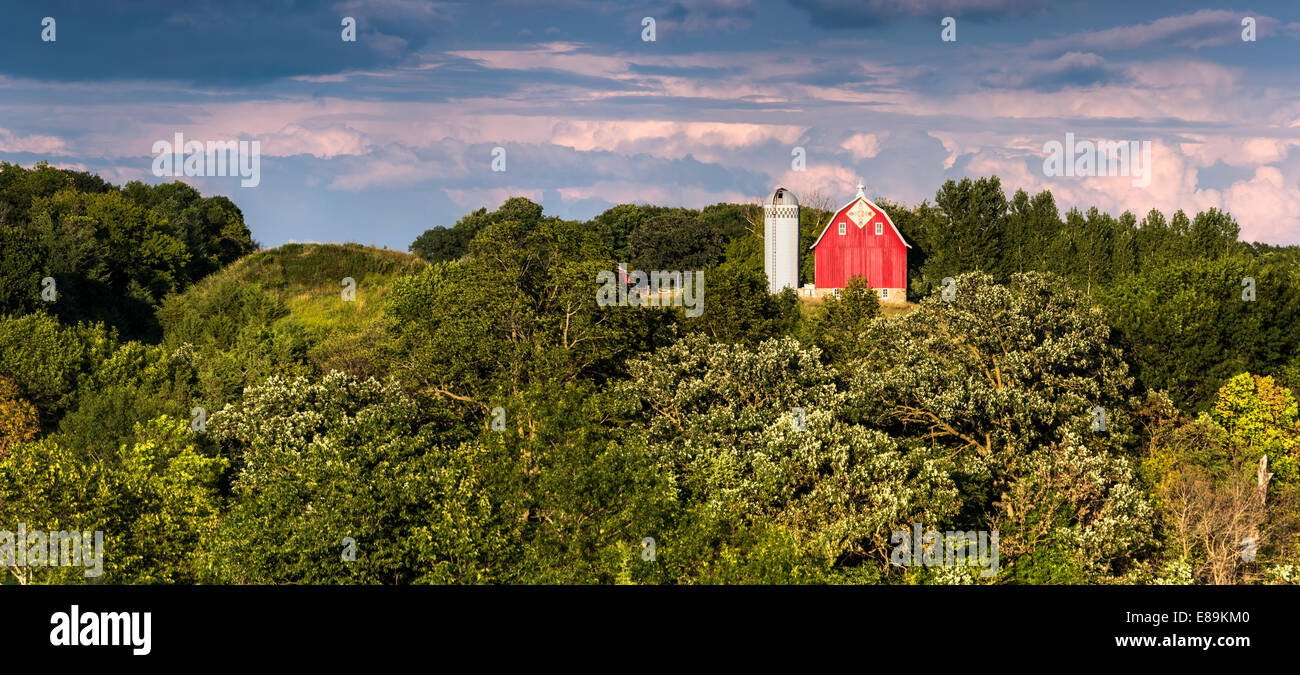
{"type": "Point", "coordinates": [113, 253]}
{"type": "Point", "coordinates": [1172, 287]}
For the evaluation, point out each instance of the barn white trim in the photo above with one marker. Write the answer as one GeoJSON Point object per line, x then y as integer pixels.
{"type": "Point", "coordinates": [861, 195]}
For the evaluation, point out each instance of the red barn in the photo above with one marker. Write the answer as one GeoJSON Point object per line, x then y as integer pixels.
{"type": "Point", "coordinates": [861, 240]}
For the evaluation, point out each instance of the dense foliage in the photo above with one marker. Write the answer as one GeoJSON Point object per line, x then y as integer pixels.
{"type": "Point", "coordinates": [1101, 392]}
{"type": "Point", "coordinates": [113, 254]}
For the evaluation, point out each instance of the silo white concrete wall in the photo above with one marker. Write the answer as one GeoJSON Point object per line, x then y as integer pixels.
{"type": "Point", "coordinates": [781, 245]}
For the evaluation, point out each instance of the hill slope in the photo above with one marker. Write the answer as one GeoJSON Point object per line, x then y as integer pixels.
{"type": "Point", "coordinates": [309, 277]}
{"type": "Point", "coordinates": [282, 311]}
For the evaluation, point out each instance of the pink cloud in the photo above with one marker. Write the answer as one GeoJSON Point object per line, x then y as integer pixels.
{"type": "Point", "coordinates": [36, 143]}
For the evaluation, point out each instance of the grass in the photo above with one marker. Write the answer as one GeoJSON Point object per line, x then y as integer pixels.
{"type": "Point", "coordinates": [308, 279]}
{"type": "Point", "coordinates": [894, 311]}
{"type": "Point", "coordinates": [321, 265]}
{"type": "Point", "coordinates": [811, 307]}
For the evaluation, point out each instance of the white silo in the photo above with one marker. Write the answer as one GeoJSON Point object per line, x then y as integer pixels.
{"type": "Point", "coordinates": [781, 241]}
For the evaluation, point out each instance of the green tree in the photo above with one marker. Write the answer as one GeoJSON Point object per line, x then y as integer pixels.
{"type": "Point", "coordinates": [1004, 380]}
{"type": "Point", "coordinates": [739, 309]}
{"type": "Point", "coordinates": [18, 422]}
{"type": "Point", "coordinates": [134, 385]}
{"type": "Point", "coordinates": [156, 503]}
{"type": "Point", "coordinates": [1031, 225]}
{"type": "Point", "coordinates": [46, 360]}
{"type": "Point", "coordinates": [519, 308]}
{"type": "Point", "coordinates": [1188, 329]}
{"type": "Point", "coordinates": [441, 243]}
{"type": "Point", "coordinates": [843, 326]}
{"type": "Point", "coordinates": [212, 228]}
{"type": "Point", "coordinates": [1261, 418]}
{"type": "Point", "coordinates": [343, 458]}
{"type": "Point", "coordinates": [995, 372]}
{"type": "Point", "coordinates": [587, 494]}
{"type": "Point", "coordinates": [1213, 489]}
{"type": "Point", "coordinates": [772, 484]}
{"type": "Point", "coordinates": [970, 236]}
{"type": "Point", "coordinates": [616, 225]}
{"type": "Point", "coordinates": [676, 241]}
{"type": "Point", "coordinates": [111, 258]}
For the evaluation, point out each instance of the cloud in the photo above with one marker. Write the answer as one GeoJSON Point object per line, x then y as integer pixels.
{"type": "Point", "coordinates": [217, 43]}
{"type": "Point", "coordinates": [862, 146]}
{"type": "Point", "coordinates": [326, 142]}
{"type": "Point", "coordinates": [1267, 208]}
{"type": "Point", "coordinates": [704, 15]}
{"type": "Point", "coordinates": [630, 192]}
{"type": "Point", "coordinates": [1073, 69]}
{"type": "Point", "coordinates": [1238, 151]}
{"type": "Point", "coordinates": [35, 143]}
{"type": "Point", "coordinates": [397, 129]}
{"type": "Point", "coordinates": [422, 13]}
{"type": "Point", "coordinates": [455, 165]}
{"type": "Point", "coordinates": [950, 144]}
{"type": "Point", "coordinates": [1166, 91]}
{"type": "Point", "coordinates": [1202, 28]}
{"type": "Point", "coordinates": [396, 167]}
{"type": "Point", "coordinates": [832, 183]}
{"type": "Point", "coordinates": [472, 199]}
{"type": "Point", "coordinates": [661, 138]}
{"type": "Point", "coordinates": [860, 13]}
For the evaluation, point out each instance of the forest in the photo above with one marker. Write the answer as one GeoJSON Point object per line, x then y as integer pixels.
{"type": "Point", "coordinates": [229, 414]}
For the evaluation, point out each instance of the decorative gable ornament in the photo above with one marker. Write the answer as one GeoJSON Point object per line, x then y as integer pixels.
{"type": "Point", "coordinates": [861, 214]}
{"type": "Point", "coordinates": [881, 260]}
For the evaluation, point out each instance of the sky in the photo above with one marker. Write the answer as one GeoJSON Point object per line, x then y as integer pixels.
{"type": "Point", "coordinates": [378, 139]}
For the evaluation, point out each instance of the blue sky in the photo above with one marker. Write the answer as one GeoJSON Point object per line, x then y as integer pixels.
{"type": "Point", "coordinates": [379, 139]}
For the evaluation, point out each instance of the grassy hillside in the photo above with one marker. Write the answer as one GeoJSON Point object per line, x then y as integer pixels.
{"type": "Point", "coordinates": [282, 311]}
{"type": "Point", "coordinates": [308, 279]}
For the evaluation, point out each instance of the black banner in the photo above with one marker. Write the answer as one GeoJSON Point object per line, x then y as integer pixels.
{"type": "Point", "coordinates": [940, 626]}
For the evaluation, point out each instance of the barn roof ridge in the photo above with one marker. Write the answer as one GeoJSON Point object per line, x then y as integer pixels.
{"type": "Point", "coordinates": [861, 195]}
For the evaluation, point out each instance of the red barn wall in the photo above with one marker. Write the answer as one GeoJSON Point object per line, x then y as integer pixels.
{"type": "Point", "coordinates": [881, 258]}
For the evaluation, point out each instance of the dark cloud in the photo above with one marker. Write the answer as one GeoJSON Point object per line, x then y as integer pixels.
{"type": "Point", "coordinates": [1069, 70]}
{"type": "Point", "coordinates": [210, 43]}
{"type": "Point", "coordinates": [826, 73]}
{"type": "Point", "coordinates": [708, 15]}
{"type": "Point", "coordinates": [866, 13]}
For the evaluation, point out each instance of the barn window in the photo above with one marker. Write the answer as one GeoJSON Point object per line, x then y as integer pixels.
{"type": "Point", "coordinates": [841, 227]}
{"type": "Point", "coordinates": [880, 227]}
{"type": "Point", "coordinates": [884, 292]}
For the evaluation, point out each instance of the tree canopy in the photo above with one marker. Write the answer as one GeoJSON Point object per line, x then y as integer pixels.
{"type": "Point", "coordinates": [1113, 397]}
